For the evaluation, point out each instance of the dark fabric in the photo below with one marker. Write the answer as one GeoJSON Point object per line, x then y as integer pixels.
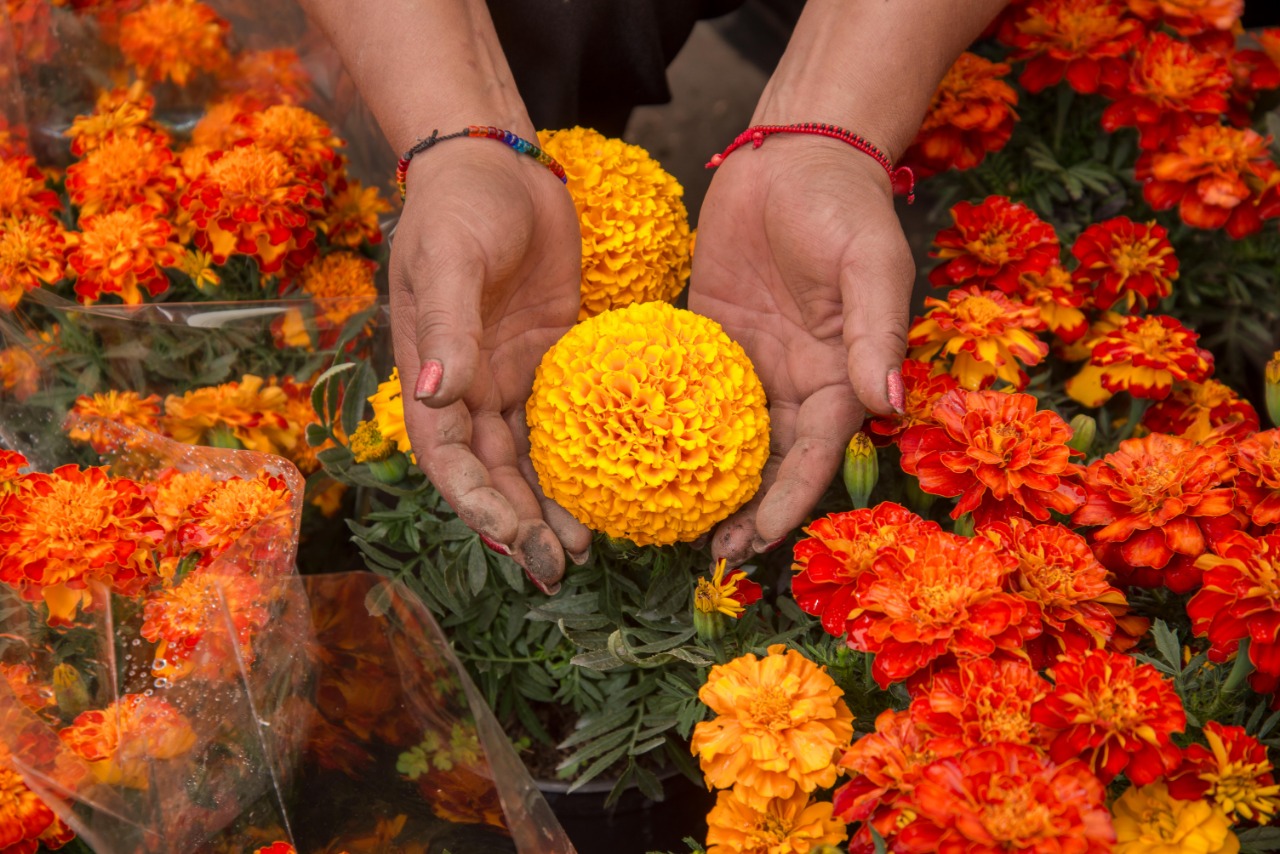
{"type": "Point", "coordinates": [589, 62]}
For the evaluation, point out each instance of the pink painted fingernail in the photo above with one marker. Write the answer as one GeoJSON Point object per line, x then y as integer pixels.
{"type": "Point", "coordinates": [897, 392]}
{"type": "Point", "coordinates": [767, 547]}
{"type": "Point", "coordinates": [428, 379]}
{"type": "Point", "coordinates": [498, 547]}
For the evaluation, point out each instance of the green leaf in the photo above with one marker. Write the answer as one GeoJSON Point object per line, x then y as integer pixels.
{"type": "Point", "coordinates": [477, 569]}
{"type": "Point", "coordinates": [356, 396]}
{"type": "Point", "coordinates": [1167, 644]}
{"type": "Point", "coordinates": [601, 746]}
{"type": "Point", "coordinates": [1260, 839]}
{"type": "Point", "coordinates": [877, 840]}
{"type": "Point", "coordinates": [598, 767]}
{"type": "Point", "coordinates": [595, 728]}
{"type": "Point", "coordinates": [648, 782]}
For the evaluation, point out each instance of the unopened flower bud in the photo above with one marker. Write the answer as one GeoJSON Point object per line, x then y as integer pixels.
{"type": "Point", "coordinates": [70, 690]}
{"type": "Point", "coordinates": [1273, 389]}
{"type": "Point", "coordinates": [861, 470]}
{"type": "Point", "coordinates": [1083, 431]}
{"type": "Point", "coordinates": [708, 624]}
{"type": "Point", "coordinates": [223, 437]}
{"type": "Point", "coordinates": [391, 470]}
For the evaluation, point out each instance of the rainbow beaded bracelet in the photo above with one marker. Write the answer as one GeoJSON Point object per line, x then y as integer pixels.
{"type": "Point", "coordinates": [506, 137]}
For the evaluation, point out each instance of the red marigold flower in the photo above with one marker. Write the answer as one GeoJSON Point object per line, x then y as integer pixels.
{"type": "Point", "coordinates": [1001, 456]}
{"type": "Point", "coordinates": [25, 818]}
{"type": "Point", "coordinates": [884, 767]}
{"type": "Point", "coordinates": [839, 548]}
{"type": "Point", "coordinates": [1113, 713]}
{"type": "Point", "coordinates": [21, 679]}
{"type": "Point", "coordinates": [1161, 501]}
{"type": "Point", "coordinates": [118, 111]}
{"type": "Point", "coordinates": [127, 408]}
{"type": "Point", "coordinates": [219, 127]}
{"type": "Point", "coordinates": [22, 189]}
{"type": "Point", "coordinates": [1190, 17]}
{"type": "Point", "coordinates": [230, 510]}
{"type": "Point", "coordinates": [987, 332]}
{"type": "Point", "coordinates": [121, 741]}
{"type": "Point", "coordinates": [1258, 485]}
{"type": "Point", "coordinates": [32, 252]}
{"type": "Point", "coordinates": [180, 617]}
{"type": "Point", "coordinates": [991, 244]}
{"type": "Point", "coordinates": [353, 211]}
{"type": "Point", "coordinates": [10, 463]}
{"type": "Point", "coordinates": [970, 116]}
{"type": "Point", "coordinates": [274, 76]}
{"type": "Point", "coordinates": [1059, 300]}
{"type": "Point", "coordinates": [125, 168]}
{"type": "Point", "coordinates": [981, 701]}
{"type": "Point", "coordinates": [1125, 261]}
{"type": "Point", "coordinates": [122, 252]}
{"type": "Point", "coordinates": [1068, 588]}
{"type": "Point", "coordinates": [1143, 356]}
{"type": "Point", "coordinates": [923, 386]}
{"type": "Point", "coordinates": [251, 201]}
{"type": "Point", "coordinates": [1240, 599]}
{"type": "Point", "coordinates": [1172, 87]}
{"type": "Point", "coordinates": [1252, 72]}
{"type": "Point", "coordinates": [1007, 797]}
{"type": "Point", "coordinates": [174, 40]}
{"type": "Point", "coordinates": [1083, 41]}
{"type": "Point", "coordinates": [1194, 410]}
{"type": "Point", "coordinates": [1216, 176]}
{"type": "Point", "coordinates": [1233, 772]}
{"type": "Point", "coordinates": [937, 594]}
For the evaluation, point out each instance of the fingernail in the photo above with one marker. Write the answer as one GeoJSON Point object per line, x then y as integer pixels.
{"type": "Point", "coordinates": [549, 589]}
{"type": "Point", "coordinates": [897, 392]}
{"type": "Point", "coordinates": [498, 547]}
{"type": "Point", "coordinates": [760, 546]}
{"type": "Point", "coordinates": [429, 380]}
{"type": "Point", "coordinates": [581, 557]}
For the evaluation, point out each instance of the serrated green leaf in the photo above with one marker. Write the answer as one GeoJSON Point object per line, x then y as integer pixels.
{"type": "Point", "coordinates": [598, 767]}
{"type": "Point", "coordinates": [477, 569]}
{"type": "Point", "coordinates": [1260, 838]}
{"type": "Point", "coordinates": [600, 660]}
{"type": "Point", "coordinates": [595, 728]}
{"type": "Point", "coordinates": [601, 746]}
{"type": "Point", "coordinates": [648, 783]}
{"type": "Point", "coordinates": [1167, 644]}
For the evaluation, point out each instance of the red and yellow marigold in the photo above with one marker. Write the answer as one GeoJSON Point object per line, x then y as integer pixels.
{"type": "Point", "coordinates": [923, 387]}
{"type": "Point", "coordinates": [304, 138]}
{"type": "Point", "coordinates": [32, 253]}
{"type": "Point", "coordinates": [1084, 42]}
{"type": "Point", "coordinates": [1190, 17]}
{"type": "Point", "coordinates": [1233, 771]}
{"type": "Point", "coordinates": [1258, 485]}
{"type": "Point", "coordinates": [252, 410]}
{"type": "Point", "coordinates": [22, 189]}
{"type": "Point", "coordinates": [172, 493]}
{"type": "Point", "coordinates": [794, 825]}
{"type": "Point", "coordinates": [1194, 410]}
{"type": "Point", "coordinates": [126, 408]}
{"type": "Point", "coordinates": [980, 701]}
{"type": "Point", "coordinates": [274, 76]}
{"type": "Point", "coordinates": [216, 610]}
{"type": "Point", "coordinates": [351, 214]}
{"type": "Point", "coordinates": [341, 285]}
{"type": "Point", "coordinates": [1240, 598]}
{"type": "Point", "coordinates": [122, 253]}
{"type": "Point", "coordinates": [230, 510]}
{"type": "Point", "coordinates": [117, 111]}
{"type": "Point", "coordinates": [727, 594]}
{"type": "Point", "coordinates": [1125, 262]}
{"type": "Point", "coordinates": [884, 768]}
{"type": "Point", "coordinates": [1143, 356]}
{"type": "Point", "coordinates": [121, 741]}
{"type": "Point", "coordinates": [779, 726]}
{"type": "Point", "coordinates": [990, 335]}
{"type": "Point", "coordinates": [19, 372]}
{"type": "Point", "coordinates": [173, 40]}
{"type": "Point", "coordinates": [27, 824]}
{"type": "Point", "coordinates": [134, 167]}
{"type": "Point", "coordinates": [1113, 713]}
{"type": "Point", "coordinates": [997, 453]}
{"type": "Point", "coordinates": [991, 244]}
{"type": "Point", "coordinates": [971, 115]}
{"type": "Point", "coordinates": [1148, 819]}
{"type": "Point", "coordinates": [1060, 300]}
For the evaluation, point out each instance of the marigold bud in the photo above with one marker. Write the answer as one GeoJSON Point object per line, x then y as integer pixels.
{"type": "Point", "coordinates": [1273, 389]}
{"type": "Point", "coordinates": [1083, 431]}
{"type": "Point", "coordinates": [70, 690]}
{"type": "Point", "coordinates": [861, 470]}
{"type": "Point", "coordinates": [708, 624]}
{"type": "Point", "coordinates": [391, 470]}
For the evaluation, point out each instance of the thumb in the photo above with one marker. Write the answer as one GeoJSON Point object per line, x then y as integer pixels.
{"type": "Point", "coordinates": [875, 289]}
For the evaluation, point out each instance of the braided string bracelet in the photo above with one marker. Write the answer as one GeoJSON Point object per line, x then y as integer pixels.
{"type": "Point", "coordinates": [902, 178]}
{"type": "Point", "coordinates": [506, 137]}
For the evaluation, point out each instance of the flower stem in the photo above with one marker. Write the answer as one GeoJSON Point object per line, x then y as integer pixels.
{"type": "Point", "coordinates": [1137, 408]}
{"type": "Point", "coordinates": [1066, 96]}
{"type": "Point", "coordinates": [1242, 668]}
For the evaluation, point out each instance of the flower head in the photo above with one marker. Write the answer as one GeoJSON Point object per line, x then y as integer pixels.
{"type": "Point", "coordinates": [22, 189]}
{"type": "Point", "coordinates": [274, 76]}
{"type": "Point", "coordinates": [635, 230]}
{"type": "Point", "coordinates": [1194, 410]}
{"type": "Point", "coordinates": [122, 253]}
{"type": "Point", "coordinates": [32, 253]}
{"type": "Point", "coordinates": [19, 372]}
{"type": "Point", "coordinates": [1190, 17]}
{"type": "Point", "coordinates": [990, 335]}
{"type": "Point", "coordinates": [884, 766]}
{"type": "Point", "coordinates": [728, 595]}
{"type": "Point", "coordinates": [368, 445]}
{"type": "Point", "coordinates": [342, 286]}
{"type": "Point", "coordinates": [253, 410]}
{"type": "Point", "coordinates": [174, 40]}
{"type": "Point", "coordinates": [1001, 456]}
{"type": "Point", "coordinates": [923, 388]}
{"type": "Point", "coordinates": [1113, 713]}
{"type": "Point", "coordinates": [127, 408]}
{"type": "Point", "coordinates": [304, 138]}
{"type": "Point", "coordinates": [388, 412]}
{"type": "Point", "coordinates": [1082, 41]}
{"type": "Point", "coordinates": [129, 168]}
{"type": "Point", "coordinates": [1125, 261]}
{"type": "Point", "coordinates": [352, 215]}
{"type": "Point", "coordinates": [780, 723]}
{"type": "Point", "coordinates": [1060, 298]}
{"type": "Point", "coordinates": [1258, 484]}
{"type": "Point", "coordinates": [794, 825]}
{"type": "Point", "coordinates": [1232, 771]}
{"type": "Point", "coordinates": [979, 702]}
{"type": "Point", "coordinates": [648, 423]}
{"type": "Point", "coordinates": [1143, 356]}
{"type": "Point", "coordinates": [991, 245]}
{"type": "Point", "coordinates": [121, 741]}
{"type": "Point", "coordinates": [231, 509]}
{"type": "Point", "coordinates": [1240, 599]}
{"type": "Point", "coordinates": [218, 610]}
{"type": "Point", "coordinates": [970, 116]}
{"type": "Point", "coordinates": [172, 493]}
{"type": "Point", "coordinates": [1148, 819]}
{"type": "Point", "coordinates": [117, 112]}
{"type": "Point", "coordinates": [24, 817]}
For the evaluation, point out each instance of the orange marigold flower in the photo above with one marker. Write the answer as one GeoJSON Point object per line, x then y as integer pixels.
{"type": "Point", "coordinates": [10, 464]}
{"type": "Point", "coordinates": [19, 372]}
{"type": "Point", "coordinates": [174, 40]}
{"type": "Point", "coordinates": [21, 679]}
{"type": "Point", "coordinates": [117, 112]}
{"type": "Point", "coordinates": [1194, 410]}
{"type": "Point", "coordinates": [252, 201]}
{"type": "Point", "coordinates": [1001, 456]}
{"type": "Point", "coordinates": [299, 412]}
{"type": "Point", "coordinates": [252, 410]}
{"type": "Point", "coordinates": [24, 817]}
{"type": "Point", "coordinates": [884, 768]}
{"type": "Point", "coordinates": [172, 493]}
{"type": "Point", "coordinates": [1233, 771]}
{"type": "Point", "coordinates": [61, 530]}
{"type": "Point", "coordinates": [219, 127]}
{"type": "Point", "coordinates": [1258, 485]}
{"type": "Point", "coordinates": [232, 508]}
{"type": "Point", "coordinates": [1068, 589]}
{"type": "Point", "coordinates": [1190, 17]}
{"type": "Point", "coordinates": [970, 116]}
{"type": "Point", "coordinates": [794, 825]}
{"type": "Point", "coordinates": [121, 741]}
{"type": "Point", "coordinates": [985, 331]}
{"type": "Point", "coordinates": [1143, 356]}
{"type": "Point", "coordinates": [1217, 177]}
{"type": "Point", "coordinates": [131, 168]}
{"type": "Point", "coordinates": [1172, 87]}
{"type": "Point", "coordinates": [780, 725]}
{"type": "Point", "coordinates": [1125, 261]}
{"type": "Point", "coordinates": [274, 76]}
{"type": "Point", "coordinates": [981, 701]}
{"type": "Point", "coordinates": [1113, 713]}
{"type": "Point", "coordinates": [341, 285]}
{"type": "Point", "coordinates": [1240, 599]}
{"type": "Point", "coordinates": [991, 245]}
{"type": "Point", "coordinates": [122, 253]}
{"type": "Point", "coordinates": [1007, 797]}
{"type": "Point", "coordinates": [1148, 819]}
{"type": "Point", "coordinates": [1161, 501]}
{"type": "Point", "coordinates": [1059, 299]}
{"type": "Point", "coordinates": [22, 189]}
{"type": "Point", "coordinates": [923, 387]}
{"type": "Point", "coordinates": [30, 31]}
{"type": "Point", "coordinates": [127, 408]}
{"type": "Point", "coordinates": [352, 217]}
{"type": "Point", "coordinates": [304, 138]}
{"type": "Point", "coordinates": [180, 617]}
{"type": "Point", "coordinates": [1083, 41]}
{"type": "Point", "coordinates": [840, 547]}
{"type": "Point", "coordinates": [936, 596]}
{"type": "Point", "coordinates": [32, 253]}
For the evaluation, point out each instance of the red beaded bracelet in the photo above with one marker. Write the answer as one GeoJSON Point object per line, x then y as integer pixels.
{"type": "Point", "coordinates": [902, 178]}
{"type": "Point", "coordinates": [506, 137]}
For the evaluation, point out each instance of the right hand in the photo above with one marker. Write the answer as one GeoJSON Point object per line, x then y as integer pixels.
{"type": "Point", "coordinates": [485, 273]}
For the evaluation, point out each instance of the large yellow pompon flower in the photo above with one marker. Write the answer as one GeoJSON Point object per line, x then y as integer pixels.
{"type": "Point", "coordinates": [1148, 820]}
{"type": "Point", "coordinates": [635, 229]}
{"type": "Point", "coordinates": [780, 726]}
{"type": "Point", "coordinates": [648, 423]}
{"type": "Point", "coordinates": [795, 825]}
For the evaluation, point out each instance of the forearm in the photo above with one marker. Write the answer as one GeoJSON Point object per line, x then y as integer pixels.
{"type": "Point", "coordinates": [871, 65]}
{"type": "Point", "coordinates": [424, 64]}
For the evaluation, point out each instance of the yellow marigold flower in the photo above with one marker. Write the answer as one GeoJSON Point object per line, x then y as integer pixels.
{"type": "Point", "coordinates": [122, 253]}
{"type": "Point", "coordinates": [127, 408]}
{"type": "Point", "coordinates": [729, 596]}
{"type": "Point", "coordinates": [388, 412]}
{"type": "Point", "coordinates": [989, 334]}
{"type": "Point", "coordinates": [32, 253]}
{"type": "Point", "coordinates": [780, 726]}
{"type": "Point", "coordinates": [252, 410]}
{"type": "Point", "coordinates": [648, 423]}
{"type": "Point", "coordinates": [635, 229]}
{"type": "Point", "coordinates": [118, 111]}
{"type": "Point", "coordinates": [369, 445]}
{"type": "Point", "coordinates": [199, 268]}
{"type": "Point", "coordinates": [174, 40]}
{"type": "Point", "coordinates": [795, 825]}
{"type": "Point", "coordinates": [19, 372]}
{"type": "Point", "coordinates": [1149, 821]}
{"type": "Point", "coordinates": [132, 168]}
{"type": "Point", "coordinates": [352, 217]}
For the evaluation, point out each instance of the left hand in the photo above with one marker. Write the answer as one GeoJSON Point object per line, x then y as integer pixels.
{"type": "Point", "coordinates": [801, 258]}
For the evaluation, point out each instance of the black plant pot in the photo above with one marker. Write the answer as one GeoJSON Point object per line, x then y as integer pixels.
{"type": "Point", "coordinates": [635, 824]}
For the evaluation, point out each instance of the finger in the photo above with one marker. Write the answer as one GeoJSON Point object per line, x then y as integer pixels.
{"type": "Point", "coordinates": [574, 536]}
{"type": "Point", "coordinates": [875, 287]}
{"type": "Point", "coordinates": [734, 538]}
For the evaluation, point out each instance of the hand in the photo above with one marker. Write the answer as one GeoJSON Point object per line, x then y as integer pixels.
{"type": "Point", "coordinates": [485, 271]}
{"type": "Point", "coordinates": [802, 259]}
